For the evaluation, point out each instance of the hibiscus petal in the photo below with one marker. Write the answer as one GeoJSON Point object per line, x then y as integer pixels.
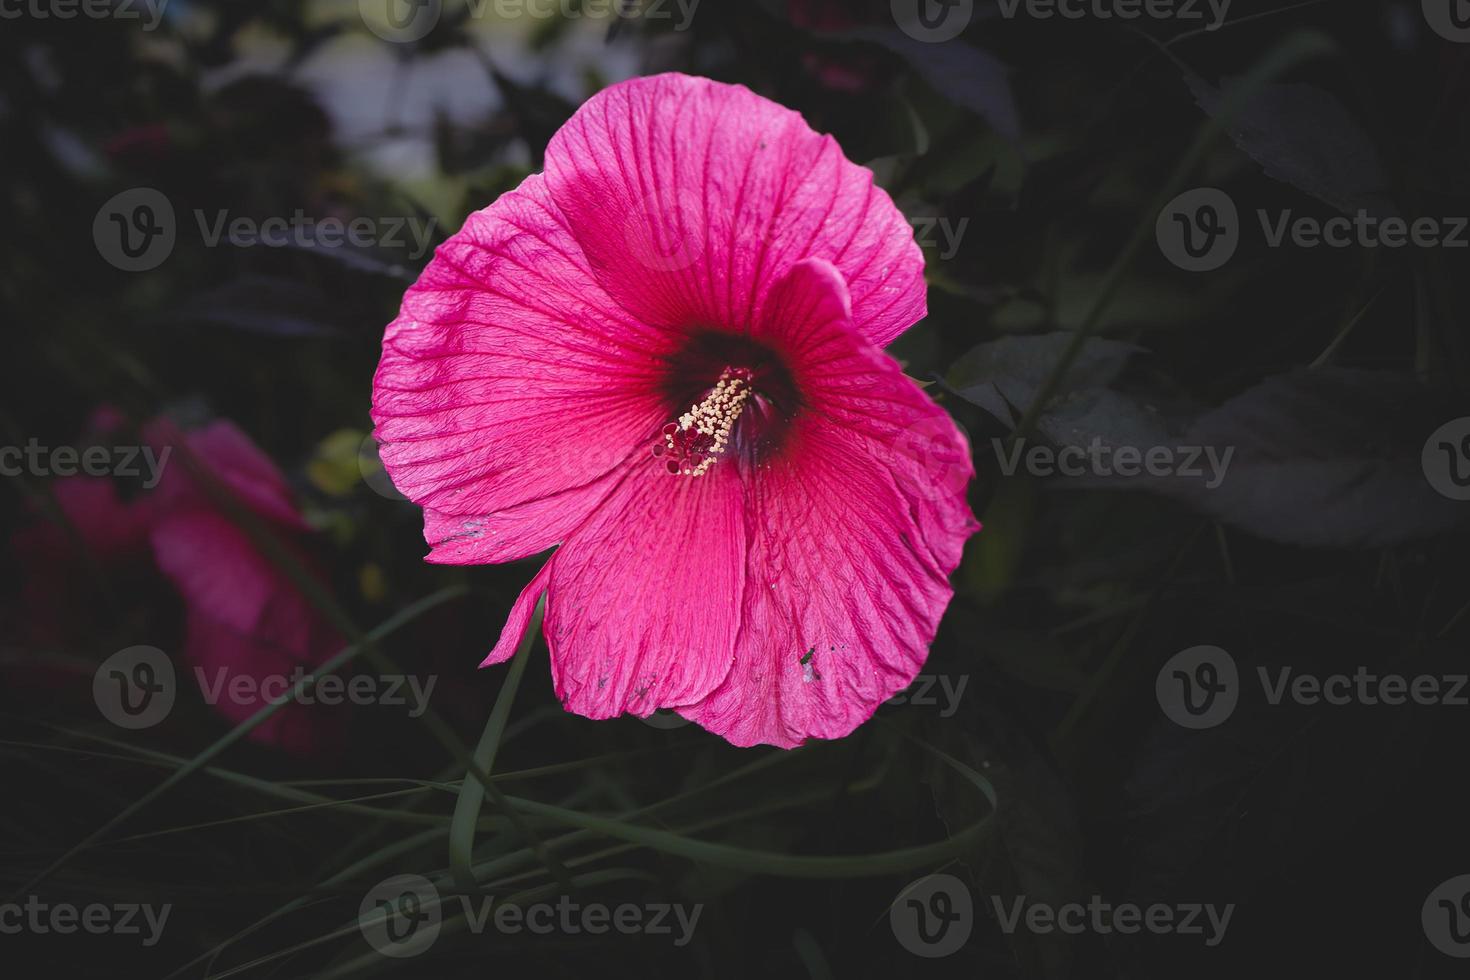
{"type": "Point", "coordinates": [213, 565]}
{"type": "Point", "coordinates": [692, 198]}
{"type": "Point", "coordinates": [107, 526]}
{"type": "Point", "coordinates": [641, 606]}
{"type": "Point", "coordinates": [864, 391]}
{"type": "Point", "coordinates": [852, 535]}
{"type": "Point", "coordinates": [232, 458]}
{"type": "Point", "coordinates": [513, 532]}
{"type": "Point", "coordinates": [520, 617]}
{"type": "Point", "coordinates": [246, 618]}
{"type": "Point", "coordinates": [511, 377]}
{"type": "Point", "coordinates": [224, 654]}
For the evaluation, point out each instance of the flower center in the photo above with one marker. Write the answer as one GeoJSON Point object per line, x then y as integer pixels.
{"type": "Point", "coordinates": [703, 434]}
{"type": "Point", "coordinates": [729, 395]}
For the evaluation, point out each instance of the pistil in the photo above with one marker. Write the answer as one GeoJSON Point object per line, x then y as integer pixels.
{"type": "Point", "coordinates": [701, 435]}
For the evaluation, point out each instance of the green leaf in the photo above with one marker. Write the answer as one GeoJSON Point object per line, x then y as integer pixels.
{"type": "Point", "coordinates": [472, 791]}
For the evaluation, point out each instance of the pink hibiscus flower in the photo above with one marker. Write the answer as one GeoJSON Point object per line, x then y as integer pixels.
{"type": "Point", "coordinates": [243, 617]}
{"type": "Point", "coordinates": [663, 354]}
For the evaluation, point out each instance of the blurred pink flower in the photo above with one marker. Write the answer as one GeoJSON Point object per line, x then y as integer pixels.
{"type": "Point", "coordinates": [852, 72]}
{"type": "Point", "coordinates": [56, 592]}
{"type": "Point", "coordinates": [146, 145]}
{"type": "Point", "coordinates": [663, 354]}
{"type": "Point", "coordinates": [242, 616]}
{"type": "Point", "coordinates": [824, 15]}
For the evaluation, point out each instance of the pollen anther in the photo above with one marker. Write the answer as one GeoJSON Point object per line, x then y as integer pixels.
{"type": "Point", "coordinates": [702, 434]}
